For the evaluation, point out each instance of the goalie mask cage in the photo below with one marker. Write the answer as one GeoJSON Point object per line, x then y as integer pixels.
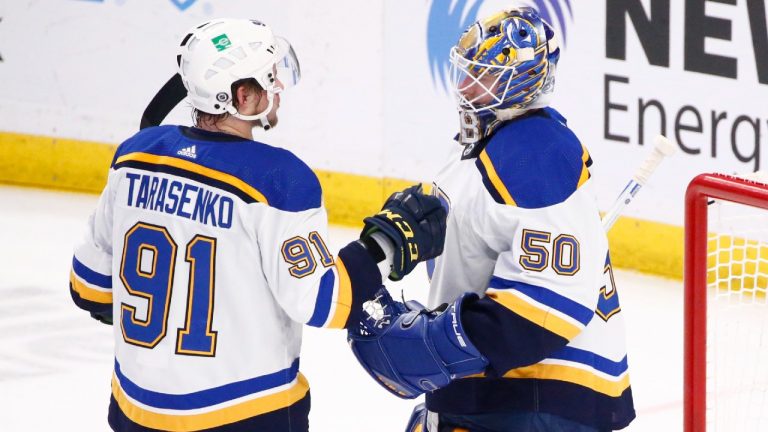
{"type": "Point", "coordinates": [726, 309]}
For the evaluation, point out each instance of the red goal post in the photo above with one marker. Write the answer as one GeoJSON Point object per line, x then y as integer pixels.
{"type": "Point", "coordinates": [700, 192]}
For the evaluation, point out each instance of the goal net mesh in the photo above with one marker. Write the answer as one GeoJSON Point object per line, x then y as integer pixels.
{"type": "Point", "coordinates": [737, 318]}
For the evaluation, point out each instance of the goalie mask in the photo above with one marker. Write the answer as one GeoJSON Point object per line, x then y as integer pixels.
{"type": "Point", "coordinates": [502, 66]}
{"type": "Point", "coordinates": [218, 53]}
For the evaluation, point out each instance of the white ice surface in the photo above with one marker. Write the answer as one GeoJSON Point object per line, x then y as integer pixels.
{"type": "Point", "coordinates": [56, 362]}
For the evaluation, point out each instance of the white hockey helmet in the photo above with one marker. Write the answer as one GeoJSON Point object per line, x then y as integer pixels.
{"type": "Point", "coordinates": [214, 55]}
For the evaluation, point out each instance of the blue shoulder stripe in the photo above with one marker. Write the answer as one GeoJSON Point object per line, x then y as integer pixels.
{"type": "Point", "coordinates": [183, 168]}
{"type": "Point", "coordinates": [209, 397]}
{"type": "Point", "coordinates": [534, 161]}
{"type": "Point", "coordinates": [253, 171]}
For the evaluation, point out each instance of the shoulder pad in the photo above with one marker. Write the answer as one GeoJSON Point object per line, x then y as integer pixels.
{"type": "Point", "coordinates": [534, 161]}
{"type": "Point", "coordinates": [139, 141]}
{"type": "Point", "coordinates": [284, 179]}
{"type": "Point", "coordinates": [254, 171]}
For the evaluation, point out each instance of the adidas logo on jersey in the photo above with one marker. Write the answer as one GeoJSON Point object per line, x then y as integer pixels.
{"type": "Point", "coordinates": [188, 152]}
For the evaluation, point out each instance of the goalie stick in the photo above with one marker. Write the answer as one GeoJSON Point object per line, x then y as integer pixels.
{"type": "Point", "coordinates": [663, 147]}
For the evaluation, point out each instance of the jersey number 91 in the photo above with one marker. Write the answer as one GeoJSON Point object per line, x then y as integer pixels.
{"type": "Point", "coordinates": [147, 271]}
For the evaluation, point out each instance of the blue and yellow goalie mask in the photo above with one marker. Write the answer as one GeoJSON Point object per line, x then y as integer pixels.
{"type": "Point", "coordinates": [504, 61]}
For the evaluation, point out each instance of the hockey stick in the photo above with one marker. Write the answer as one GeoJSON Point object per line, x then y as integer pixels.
{"type": "Point", "coordinates": [663, 147]}
{"type": "Point", "coordinates": [164, 102]}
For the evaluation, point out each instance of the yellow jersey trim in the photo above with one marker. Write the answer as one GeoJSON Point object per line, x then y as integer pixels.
{"type": "Point", "coordinates": [194, 422]}
{"type": "Point", "coordinates": [584, 170]}
{"type": "Point", "coordinates": [197, 169]}
{"type": "Point", "coordinates": [344, 298]}
{"type": "Point", "coordinates": [541, 317]}
{"type": "Point", "coordinates": [495, 180]}
{"type": "Point", "coordinates": [88, 293]}
{"type": "Point", "coordinates": [572, 375]}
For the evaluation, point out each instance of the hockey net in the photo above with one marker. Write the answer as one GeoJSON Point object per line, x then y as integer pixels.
{"type": "Point", "coordinates": [726, 307]}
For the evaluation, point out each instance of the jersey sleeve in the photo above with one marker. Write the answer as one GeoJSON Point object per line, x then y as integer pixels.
{"type": "Point", "coordinates": [90, 279]}
{"type": "Point", "coordinates": [309, 283]}
{"type": "Point", "coordinates": [544, 288]}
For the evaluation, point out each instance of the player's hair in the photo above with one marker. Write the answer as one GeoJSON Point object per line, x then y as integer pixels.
{"type": "Point", "coordinates": [200, 117]}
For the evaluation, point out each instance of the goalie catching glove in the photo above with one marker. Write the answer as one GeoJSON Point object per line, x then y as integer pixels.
{"type": "Point", "coordinates": [414, 223]}
{"type": "Point", "coordinates": [411, 350]}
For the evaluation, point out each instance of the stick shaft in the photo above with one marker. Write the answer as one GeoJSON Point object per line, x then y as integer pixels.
{"type": "Point", "coordinates": [639, 179]}
{"type": "Point", "coordinates": [622, 201]}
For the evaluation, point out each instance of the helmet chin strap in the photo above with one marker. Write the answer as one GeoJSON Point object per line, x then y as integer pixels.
{"type": "Point", "coordinates": [261, 117]}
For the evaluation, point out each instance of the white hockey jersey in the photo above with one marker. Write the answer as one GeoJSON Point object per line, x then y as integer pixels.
{"type": "Point", "coordinates": [524, 233]}
{"type": "Point", "coordinates": [209, 251]}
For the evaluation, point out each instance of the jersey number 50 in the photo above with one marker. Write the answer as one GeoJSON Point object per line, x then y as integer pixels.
{"type": "Point", "coordinates": [565, 252]}
{"type": "Point", "coordinates": [147, 270]}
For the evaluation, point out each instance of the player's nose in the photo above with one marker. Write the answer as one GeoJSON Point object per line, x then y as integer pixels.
{"type": "Point", "coordinates": [468, 86]}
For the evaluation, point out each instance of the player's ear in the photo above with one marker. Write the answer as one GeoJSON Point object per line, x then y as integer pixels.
{"type": "Point", "coordinates": [247, 94]}
{"type": "Point", "coordinates": [243, 95]}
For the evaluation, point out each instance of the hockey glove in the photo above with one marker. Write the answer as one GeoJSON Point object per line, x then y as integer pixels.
{"type": "Point", "coordinates": [410, 350]}
{"type": "Point", "coordinates": [105, 318]}
{"type": "Point", "coordinates": [415, 223]}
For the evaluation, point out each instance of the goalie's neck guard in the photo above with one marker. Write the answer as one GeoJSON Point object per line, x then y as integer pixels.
{"type": "Point", "coordinates": [475, 127]}
{"type": "Point", "coordinates": [478, 127]}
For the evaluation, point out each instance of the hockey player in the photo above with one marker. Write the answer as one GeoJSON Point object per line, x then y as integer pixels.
{"type": "Point", "coordinates": [209, 251]}
{"type": "Point", "coordinates": [525, 331]}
